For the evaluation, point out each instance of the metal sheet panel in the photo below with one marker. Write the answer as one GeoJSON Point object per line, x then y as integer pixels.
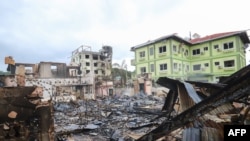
{"type": "Point", "coordinates": [191, 134]}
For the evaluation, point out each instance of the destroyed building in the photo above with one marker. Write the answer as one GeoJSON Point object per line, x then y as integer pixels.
{"type": "Point", "coordinates": [97, 65]}
{"type": "Point", "coordinates": [23, 115]}
{"type": "Point", "coordinates": [52, 101]}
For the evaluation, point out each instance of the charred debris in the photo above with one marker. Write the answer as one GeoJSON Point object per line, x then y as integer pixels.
{"type": "Point", "coordinates": [47, 105]}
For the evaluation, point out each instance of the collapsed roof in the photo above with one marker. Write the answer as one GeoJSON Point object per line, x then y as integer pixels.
{"type": "Point", "coordinates": [204, 104]}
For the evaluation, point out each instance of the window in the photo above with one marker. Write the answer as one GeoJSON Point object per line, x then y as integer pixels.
{"type": "Point", "coordinates": [143, 69]}
{"type": "Point", "coordinates": [163, 67]}
{"type": "Point", "coordinates": [229, 63]}
{"type": "Point", "coordinates": [87, 56]}
{"type": "Point", "coordinates": [216, 63]}
{"type": "Point", "coordinates": [186, 53]}
{"type": "Point", "coordinates": [196, 51]}
{"type": "Point", "coordinates": [175, 66]}
{"type": "Point", "coordinates": [151, 51]}
{"type": "Point", "coordinates": [80, 57]}
{"type": "Point", "coordinates": [162, 49]}
{"type": "Point", "coordinates": [96, 71]}
{"type": "Point", "coordinates": [87, 71]}
{"type": "Point", "coordinates": [216, 46]}
{"type": "Point", "coordinates": [95, 64]}
{"type": "Point", "coordinates": [197, 67]}
{"type": "Point", "coordinates": [206, 65]}
{"type": "Point", "coordinates": [152, 67]}
{"type": "Point", "coordinates": [95, 57]}
{"type": "Point", "coordinates": [228, 45]}
{"type": "Point", "coordinates": [142, 54]}
{"type": "Point", "coordinates": [187, 68]}
{"type": "Point", "coordinates": [174, 48]}
{"type": "Point", "coordinates": [87, 64]}
{"type": "Point", "coordinates": [205, 48]}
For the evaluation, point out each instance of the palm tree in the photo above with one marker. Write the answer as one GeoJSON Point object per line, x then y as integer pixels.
{"type": "Point", "coordinates": [120, 70]}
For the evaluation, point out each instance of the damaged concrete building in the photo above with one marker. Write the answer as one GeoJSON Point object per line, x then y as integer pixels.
{"type": "Point", "coordinates": [52, 101]}
{"type": "Point", "coordinates": [56, 82]}
{"type": "Point", "coordinates": [23, 115]}
{"type": "Point", "coordinates": [97, 65]}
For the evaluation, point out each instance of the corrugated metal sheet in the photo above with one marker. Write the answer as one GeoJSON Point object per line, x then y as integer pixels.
{"type": "Point", "coordinates": [191, 92]}
{"type": "Point", "coordinates": [191, 134]}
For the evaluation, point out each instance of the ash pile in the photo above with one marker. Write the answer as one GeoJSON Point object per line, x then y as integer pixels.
{"type": "Point", "coordinates": [120, 117]}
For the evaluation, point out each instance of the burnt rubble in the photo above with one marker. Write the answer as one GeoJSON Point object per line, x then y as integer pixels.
{"type": "Point", "coordinates": [41, 107]}
{"type": "Point", "coordinates": [23, 116]}
{"type": "Point", "coordinates": [190, 111]}
{"type": "Point", "coordinates": [113, 118]}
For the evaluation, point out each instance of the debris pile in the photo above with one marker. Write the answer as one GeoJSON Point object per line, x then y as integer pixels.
{"type": "Point", "coordinates": [120, 117]}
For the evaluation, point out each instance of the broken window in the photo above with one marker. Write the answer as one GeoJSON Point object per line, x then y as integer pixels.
{"type": "Point", "coordinates": [87, 64]}
{"type": "Point", "coordinates": [143, 69]}
{"type": "Point", "coordinates": [197, 67]}
{"type": "Point", "coordinates": [196, 52]}
{"type": "Point", "coordinates": [142, 54]}
{"type": "Point", "coordinates": [229, 63]}
{"type": "Point", "coordinates": [151, 51]}
{"type": "Point", "coordinates": [162, 49]}
{"type": "Point", "coordinates": [86, 56]}
{"type": "Point", "coordinates": [28, 70]}
{"type": "Point", "coordinates": [96, 71]}
{"type": "Point", "coordinates": [229, 45]}
{"type": "Point", "coordinates": [95, 57]}
{"type": "Point", "coordinates": [163, 67]}
{"type": "Point", "coordinates": [152, 67]}
{"type": "Point", "coordinates": [53, 69]}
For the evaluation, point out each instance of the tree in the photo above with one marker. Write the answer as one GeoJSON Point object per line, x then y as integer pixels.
{"type": "Point", "coordinates": [121, 71]}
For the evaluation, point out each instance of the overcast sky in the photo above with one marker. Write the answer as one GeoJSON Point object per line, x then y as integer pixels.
{"type": "Point", "coordinates": [49, 30]}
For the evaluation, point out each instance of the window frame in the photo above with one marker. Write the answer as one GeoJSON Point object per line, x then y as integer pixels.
{"type": "Point", "coordinates": [162, 49]}
{"type": "Point", "coordinates": [196, 52]}
{"type": "Point", "coordinates": [163, 67]}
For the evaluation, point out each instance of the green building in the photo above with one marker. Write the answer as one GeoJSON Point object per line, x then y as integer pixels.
{"type": "Point", "coordinates": [203, 59]}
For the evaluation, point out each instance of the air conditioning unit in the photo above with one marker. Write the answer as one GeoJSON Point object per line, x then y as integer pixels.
{"type": "Point", "coordinates": [220, 67]}
{"type": "Point", "coordinates": [218, 49]}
